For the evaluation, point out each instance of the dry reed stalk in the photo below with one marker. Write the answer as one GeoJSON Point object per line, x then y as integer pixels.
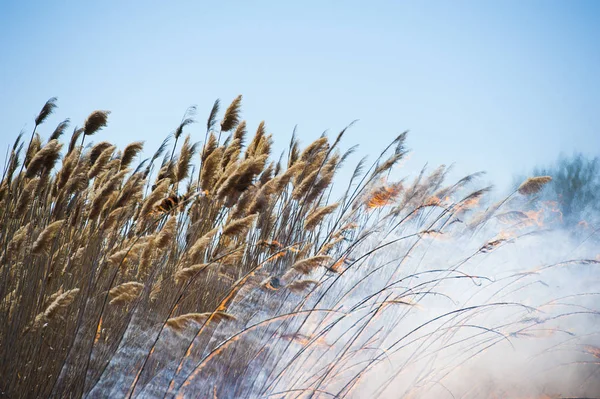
{"type": "Point", "coordinates": [125, 293]}
{"type": "Point", "coordinates": [243, 177]}
{"type": "Point", "coordinates": [125, 256]}
{"type": "Point", "coordinates": [279, 183]}
{"type": "Point", "coordinates": [230, 153]}
{"type": "Point", "coordinates": [166, 234]}
{"type": "Point", "coordinates": [44, 159]}
{"type": "Point", "coordinates": [209, 173]}
{"type": "Point", "coordinates": [317, 216]}
{"type": "Point", "coordinates": [96, 150]}
{"type": "Point", "coordinates": [78, 181]}
{"type": "Point", "coordinates": [259, 202]}
{"type": "Point", "coordinates": [77, 132]}
{"type": "Point", "coordinates": [56, 308]}
{"type": "Point", "coordinates": [232, 115]}
{"type": "Point", "coordinates": [335, 240]}
{"type": "Point", "coordinates": [146, 256]}
{"type": "Point", "coordinates": [46, 111]}
{"type": "Point", "coordinates": [202, 243]}
{"type": "Point", "coordinates": [252, 149]}
{"type": "Point", "coordinates": [250, 200]}
{"type": "Point", "coordinates": [185, 158]}
{"type": "Point", "coordinates": [159, 192]}
{"type": "Point", "coordinates": [131, 191]}
{"type": "Point", "coordinates": [305, 185]}
{"type": "Point", "coordinates": [180, 322]}
{"type": "Point", "coordinates": [306, 266]}
{"type": "Point", "coordinates": [25, 199]}
{"type": "Point", "coordinates": [185, 274]}
{"type": "Point", "coordinates": [45, 238]}
{"type": "Point", "coordinates": [34, 146]}
{"type": "Point", "coordinates": [100, 164]}
{"type": "Point", "coordinates": [101, 198]}
{"type": "Point", "coordinates": [94, 122]}
{"type": "Point", "coordinates": [240, 133]}
{"type": "Point", "coordinates": [60, 130]}
{"type": "Point", "coordinates": [239, 227]}
{"type": "Point", "coordinates": [383, 196]}
{"type": "Point", "coordinates": [186, 120]}
{"type": "Point", "coordinates": [211, 144]}
{"type": "Point", "coordinates": [212, 117]}
{"type": "Point", "coordinates": [130, 152]}
{"type": "Point", "coordinates": [317, 146]}
{"type": "Point", "coordinates": [68, 166]}
{"type": "Point", "coordinates": [512, 217]}
{"type": "Point", "coordinates": [18, 238]}
{"type": "Point", "coordinates": [117, 215]}
{"type": "Point", "coordinates": [533, 185]}
{"type": "Point", "coordinates": [299, 286]}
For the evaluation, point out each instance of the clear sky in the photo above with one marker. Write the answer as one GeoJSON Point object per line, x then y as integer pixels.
{"type": "Point", "coordinates": [498, 86]}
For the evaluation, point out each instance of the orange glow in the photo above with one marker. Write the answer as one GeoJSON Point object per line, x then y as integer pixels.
{"type": "Point", "coordinates": [383, 196]}
{"type": "Point", "coordinates": [337, 266]}
{"type": "Point", "coordinates": [272, 245]}
{"type": "Point", "coordinates": [553, 207]}
{"type": "Point", "coordinates": [583, 224]}
{"type": "Point", "coordinates": [347, 227]}
{"type": "Point", "coordinates": [98, 331]}
{"type": "Point", "coordinates": [432, 201]}
{"type": "Point", "coordinates": [536, 217]}
{"type": "Point", "coordinates": [435, 234]}
{"type": "Point", "coordinates": [299, 338]}
{"type": "Point", "coordinates": [593, 350]}
{"type": "Point", "coordinates": [467, 204]}
{"type": "Point", "coordinates": [277, 255]}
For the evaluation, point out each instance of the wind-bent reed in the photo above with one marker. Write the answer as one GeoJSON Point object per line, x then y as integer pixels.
{"type": "Point", "coordinates": [241, 280]}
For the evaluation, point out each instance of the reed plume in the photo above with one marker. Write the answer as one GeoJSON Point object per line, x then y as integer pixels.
{"type": "Point", "coordinates": [306, 266]}
{"type": "Point", "coordinates": [42, 243]}
{"type": "Point", "coordinates": [46, 111]}
{"type": "Point", "coordinates": [239, 227]}
{"type": "Point", "coordinates": [181, 322]}
{"type": "Point", "coordinates": [60, 130]}
{"type": "Point", "coordinates": [185, 158]}
{"type": "Point", "coordinates": [201, 243]}
{"type": "Point", "coordinates": [248, 279]}
{"type": "Point", "coordinates": [95, 122]}
{"type": "Point", "coordinates": [383, 196]}
{"type": "Point", "coordinates": [44, 159]}
{"type": "Point", "coordinates": [212, 117]}
{"type": "Point", "coordinates": [130, 152]}
{"type": "Point", "coordinates": [125, 293]}
{"type": "Point", "coordinates": [299, 286]}
{"type": "Point", "coordinates": [55, 310]}
{"type": "Point", "coordinates": [232, 115]}
{"type": "Point", "coordinates": [317, 216]}
{"type": "Point", "coordinates": [533, 185]}
{"type": "Point", "coordinates": [187, 273]}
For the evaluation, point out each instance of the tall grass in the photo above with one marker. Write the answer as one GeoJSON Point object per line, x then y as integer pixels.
{"type": "Point", "coordinates": [218, 272]}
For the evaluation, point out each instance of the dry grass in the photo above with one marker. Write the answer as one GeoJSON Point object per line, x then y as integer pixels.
{"type": "Point", "coordinates": [102, 260]}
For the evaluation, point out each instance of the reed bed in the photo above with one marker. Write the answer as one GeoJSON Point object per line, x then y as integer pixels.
{"type": "Point", "coordinates": [215, 271]}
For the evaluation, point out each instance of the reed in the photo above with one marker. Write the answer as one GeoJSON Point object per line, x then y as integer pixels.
{"type": "Point", "coordinates": [245, 279]}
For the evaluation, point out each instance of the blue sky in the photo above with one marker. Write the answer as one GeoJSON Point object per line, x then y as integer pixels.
{"type": "Point", "coordinates": [496, 86]}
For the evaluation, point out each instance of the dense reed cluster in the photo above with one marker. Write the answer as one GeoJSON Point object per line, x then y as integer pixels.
{"type": "Point", "coordinates": [214, 270]}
